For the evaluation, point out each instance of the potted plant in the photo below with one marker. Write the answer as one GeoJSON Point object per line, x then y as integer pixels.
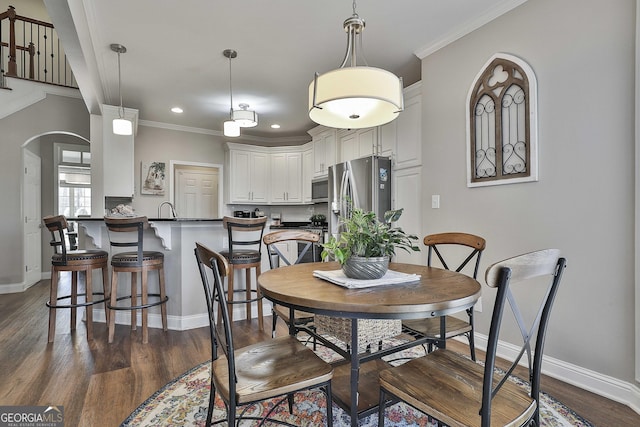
{"type": "Point", "coordinates": [318, 219]}
{"type": "Point", "coordinates": [366, 244]}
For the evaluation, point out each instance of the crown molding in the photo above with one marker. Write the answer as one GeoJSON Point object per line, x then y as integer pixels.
{"type": "Point", "coordinates": [468, 27]}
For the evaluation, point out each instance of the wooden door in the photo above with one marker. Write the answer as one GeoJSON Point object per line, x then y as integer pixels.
{"type": "Point", "coordinates": [32, 219]}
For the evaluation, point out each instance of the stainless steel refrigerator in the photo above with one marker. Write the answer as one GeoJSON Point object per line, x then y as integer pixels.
{"type": "Point", "coordinates": [361, 183]}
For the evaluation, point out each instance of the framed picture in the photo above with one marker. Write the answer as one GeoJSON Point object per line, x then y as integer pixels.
{"type": "Point", "coordinates": [152, 178]}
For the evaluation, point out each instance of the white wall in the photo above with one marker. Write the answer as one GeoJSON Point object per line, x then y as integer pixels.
{"type": "Point", "coordinates": [582, 52]}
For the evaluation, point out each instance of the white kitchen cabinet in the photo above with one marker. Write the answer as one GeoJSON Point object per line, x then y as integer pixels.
{"type": "Point", "coordinates": [409, 129]}
{"type": "Point", "coordinates": [248, 176]}
{"type": "Point", "coordinates": [307, 172]}
{"type": "Point", "coordinates": [388, 139]}
{"type": "Point", "coordinates": [356, 143]}
{"type": "Point", "coordinates": [286, 178]}
{"type": "Point", "coordinates": [324, 150]}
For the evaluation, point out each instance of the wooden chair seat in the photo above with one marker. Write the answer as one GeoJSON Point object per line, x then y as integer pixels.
{"type": "Point", "coordinates": [448, 386]}
{"type": "Point", "coordinates": [301, 317]}
{"type": "Point", "coordinates": [272, 368]}
{"type": "Point", "coordinates": [431, 327]}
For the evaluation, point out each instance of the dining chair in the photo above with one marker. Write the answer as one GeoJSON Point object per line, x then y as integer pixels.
{"type": "Point", "coordinates": [450, 248]}
{"type": "Point", "coordinates": [307, 242]}
{"type": "Point", "coordinates": [457, 391]}
{"type": "Point", "coordinates": [278, 367]}
{"type": "Point", "coordinates": [128, 232]}
{"type": "Point", "coordinates": [74, 261]}
{"type": "Point", "coordinates": [244, 253]}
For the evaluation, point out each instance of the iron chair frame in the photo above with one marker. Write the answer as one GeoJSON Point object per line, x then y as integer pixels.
{"type": "Point", "coordinates": [215, 294]}
{"type": "Point", "coordinates": [532, 265]}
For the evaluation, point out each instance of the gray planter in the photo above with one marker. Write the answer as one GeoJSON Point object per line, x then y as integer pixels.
{"type": "Point", "coordinates": [364, 268]}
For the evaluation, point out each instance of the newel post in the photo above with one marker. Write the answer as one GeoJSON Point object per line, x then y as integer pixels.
{"type": "Point", "coordinates": [13, 69]}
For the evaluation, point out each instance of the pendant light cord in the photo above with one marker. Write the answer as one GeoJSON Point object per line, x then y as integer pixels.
{"type": "Point", "coordinates": [230, 91]}
{"type": "Point", "coordinates": [121, 109]}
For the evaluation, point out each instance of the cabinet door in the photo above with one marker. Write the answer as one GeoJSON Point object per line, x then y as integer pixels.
{"type": "Point", "coordinates": [388, 139]}
{"type": "Point", "coordinates": [324, 152]}
{"type": "Point", "coordinates": [259, 172]}
{"type": "Point", "coordinates": [367, 141]}
{"type": "Point", "coordinates": [349, 147]}
{"type": "Point", "coordinates": [286, 178]}
{"type": "Point", "coordinates": [294, 178]}
{"type": "Point", "coordinates": [409, 133]}
{"type": "Point", "coordinates": [240, 176]}
{"type": "Point", "coordinates": [307, 175]}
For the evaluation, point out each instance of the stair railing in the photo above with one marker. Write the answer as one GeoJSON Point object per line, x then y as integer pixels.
{"type": "Point", "coordinates": [33, 51]}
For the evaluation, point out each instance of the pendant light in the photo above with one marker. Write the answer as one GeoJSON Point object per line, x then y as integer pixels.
{"type": "Point", "coordinates": [121, 126]}
{"type": "Point", "coordinates": [245, 117]}
{"type": "Point", "coordinates": [231, 128]}
{"type": "Point", "coordinates": [355, 96]}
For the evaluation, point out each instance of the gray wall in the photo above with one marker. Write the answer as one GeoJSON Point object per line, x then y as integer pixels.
{"type": "Point", "coordinates": [163, 145]}
{"type": "Point", "coordinates": [53, 114]}
{"type": "Point", "coordinates": [582, 52]}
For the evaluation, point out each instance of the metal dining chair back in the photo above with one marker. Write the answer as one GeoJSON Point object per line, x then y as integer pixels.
{"type": "Point", "coordinates": [277, 367]}
{"type": "Point", "coordinates": [485, 396]}
{"type": "Point", "coordinates": [305, 242]}
{"type": "Point", "coordinates": [453, 251]}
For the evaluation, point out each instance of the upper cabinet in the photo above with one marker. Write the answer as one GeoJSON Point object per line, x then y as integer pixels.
{"type": "Point", "coordinates": [307, 172]}
{"type": "Point", "coordinates": [248, 176]}
{"type": "Point", "coordinates": [324, 150]}
{"type": "Point", "coordinates": [286, 177]}
{"type": "Point", "coordinates": [403, 136]}
{"type": "Point", "coordinates": [356, 143]}
{"type": "Point", "coordinates": [409, 129]}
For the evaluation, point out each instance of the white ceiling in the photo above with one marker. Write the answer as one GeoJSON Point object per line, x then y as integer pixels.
{"type": "Point", "coordinates": [174, 52]}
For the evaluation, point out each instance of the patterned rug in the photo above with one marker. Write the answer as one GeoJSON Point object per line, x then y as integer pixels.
{"type": "Point", "coordinates": [184, 401]}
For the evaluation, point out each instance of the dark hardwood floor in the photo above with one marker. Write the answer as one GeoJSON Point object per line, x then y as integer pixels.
{"type": "Point", "coordinates": [100, 384]}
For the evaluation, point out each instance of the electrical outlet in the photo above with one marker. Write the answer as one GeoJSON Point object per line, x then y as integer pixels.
{"type": "Point", "coordinates": [225, 243]}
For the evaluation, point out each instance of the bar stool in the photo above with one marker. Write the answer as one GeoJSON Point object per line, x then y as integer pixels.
{"type": "Point", "coordinates": [134, 262]}
{"type": "Point", "coordinates": [245, 244]}
{"type": "Point", "coordinates": [74, 261]}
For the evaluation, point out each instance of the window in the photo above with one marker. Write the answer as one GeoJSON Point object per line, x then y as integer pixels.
{"type": "Point", "coordinates": [501, 124]}
{"type": "Point", "coordinates": [74, 180]}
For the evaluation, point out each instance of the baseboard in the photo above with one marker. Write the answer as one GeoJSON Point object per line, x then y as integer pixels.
{"type": "Point", "coordinates": [586, 379]}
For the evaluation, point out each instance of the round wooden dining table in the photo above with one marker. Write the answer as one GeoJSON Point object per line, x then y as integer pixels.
{"type": "Point", "coordinates": [437, 293]}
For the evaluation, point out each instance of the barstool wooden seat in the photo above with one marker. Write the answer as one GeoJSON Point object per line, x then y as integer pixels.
{"type": "Point", "coordinates": [245, 244]}
{"type": "Point", "coordinates": [134, 262]}
{"type": "Point", "coordinates": [74, 261]}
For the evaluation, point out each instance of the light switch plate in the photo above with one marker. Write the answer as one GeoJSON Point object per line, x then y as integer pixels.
{"type": "Point", "coordinates": [435, 201]}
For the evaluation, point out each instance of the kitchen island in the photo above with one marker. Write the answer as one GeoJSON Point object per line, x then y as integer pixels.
{"type": "Point", "coordinates": [175, 237]}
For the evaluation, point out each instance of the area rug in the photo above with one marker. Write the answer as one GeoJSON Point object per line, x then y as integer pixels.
{"type": "Point", "coordinates": [184, 401]}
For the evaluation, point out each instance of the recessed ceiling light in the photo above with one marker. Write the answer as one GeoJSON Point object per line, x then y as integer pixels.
{"type": "Point", "coordinates": [275, 126]}
{"type": "Point", "coordinates": [177, 110]}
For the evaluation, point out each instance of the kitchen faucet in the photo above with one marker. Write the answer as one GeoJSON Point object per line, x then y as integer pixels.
{"type": "Point", "coordinates": [173, 209]}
